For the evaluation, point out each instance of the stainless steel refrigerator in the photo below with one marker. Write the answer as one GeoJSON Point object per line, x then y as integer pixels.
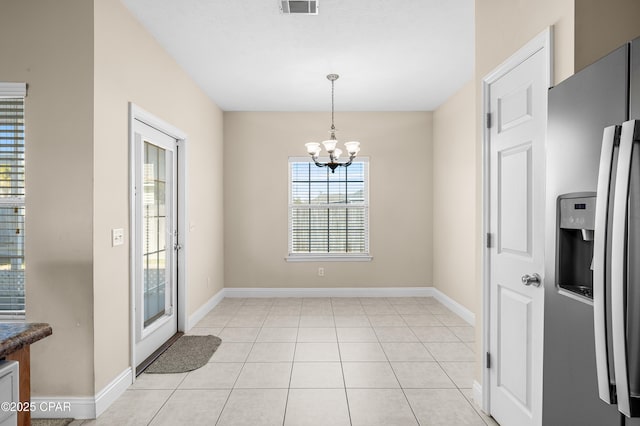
{"type": "Point", "coordinates": [592, 252]}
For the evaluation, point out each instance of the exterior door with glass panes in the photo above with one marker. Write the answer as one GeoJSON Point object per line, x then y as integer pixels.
{"type": "Point", "coordinates": [155, 236]}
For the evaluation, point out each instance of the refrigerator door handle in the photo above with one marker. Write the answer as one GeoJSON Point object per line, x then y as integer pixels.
{"type": "Point", "coordinates": [610, 139]}
{"type": "Point", "coordinates": [619, 267]}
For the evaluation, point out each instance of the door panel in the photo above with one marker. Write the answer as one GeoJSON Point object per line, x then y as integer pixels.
{"type": "Point", "coordinates": [515, 108]}
{"type": "Point", "coordinates": [156, 225]}
{"type": "Point", "coordinates": [516, 156]}
{"type": "Point", "coordinates": [514, 372]}
{"type": "Point", "coordinates": [514, 206]}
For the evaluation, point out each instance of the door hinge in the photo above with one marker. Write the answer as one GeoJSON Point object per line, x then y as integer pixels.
{"type": "Point", "coordinates": [489, 240]}
{"type": "Point", "coordinates": [488, 361]}
{"type": "Point", "coordinates": [176, 246]}
{"type": "Point", "coordinates": [488, 120]}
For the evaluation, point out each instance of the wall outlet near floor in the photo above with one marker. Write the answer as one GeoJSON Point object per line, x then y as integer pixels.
{"type": "Point", "coordinates": [117, 237]}
{"type": "Point", "coordinates": [321, 271]}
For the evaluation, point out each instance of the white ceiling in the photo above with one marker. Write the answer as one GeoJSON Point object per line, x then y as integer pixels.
{"type": "Point", "coordinates": [402, 55]}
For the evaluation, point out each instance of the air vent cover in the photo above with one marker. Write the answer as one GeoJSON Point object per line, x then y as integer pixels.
{"type": "Point", "coordinates": [299, 7]}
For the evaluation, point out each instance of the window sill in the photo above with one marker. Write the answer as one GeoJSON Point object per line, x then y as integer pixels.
{"type": "Point", "coordinates": [328, 258]}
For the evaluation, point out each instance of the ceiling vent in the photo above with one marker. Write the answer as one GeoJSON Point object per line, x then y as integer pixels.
{"type": "Point", "coordinates": [299, 7]}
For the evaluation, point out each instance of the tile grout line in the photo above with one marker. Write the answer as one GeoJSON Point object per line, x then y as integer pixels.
{"type": "Point", "coordinates": [344, 380]}
{"type": "Point", "coordinates": [396, 376]}
{"type": "Point", "coordinates": [286, 401]}
{"type": "Point", "coordinates": [173, 391]}
{"type": "Point", "coordinates": [240, 372]}
{"type": "Point", "coordinates": [450, 378]}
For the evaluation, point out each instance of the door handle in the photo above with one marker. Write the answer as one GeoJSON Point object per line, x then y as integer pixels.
{"type": "Point", "coordinates": [604, 201]}
{"type": "Point", "coordinates": [533, 279]}
{"type": "Point", "coordinates": [619, 264]}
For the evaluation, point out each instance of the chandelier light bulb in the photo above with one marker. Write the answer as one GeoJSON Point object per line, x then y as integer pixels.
{"type": "Point", "coordinates": [353, 147]}
{"type": "Point", "coordinates": [336, 153]}
{"type": "Point", "coordinates": [313, 148]}
{"type": "Point", "coordinates": [330, 144]}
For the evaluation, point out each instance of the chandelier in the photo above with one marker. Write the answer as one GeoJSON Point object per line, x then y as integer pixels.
{"type": "Point", "coordinates": [313, 148]}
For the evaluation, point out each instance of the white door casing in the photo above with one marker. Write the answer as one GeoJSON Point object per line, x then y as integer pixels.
{"type": "Point", "coordinates": [515, 95]}
{"type": "Point", "coordinates": [150, 131]}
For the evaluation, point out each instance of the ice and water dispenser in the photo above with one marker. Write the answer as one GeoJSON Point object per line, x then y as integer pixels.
{"type": "Point", "coordinates": [574, 246]}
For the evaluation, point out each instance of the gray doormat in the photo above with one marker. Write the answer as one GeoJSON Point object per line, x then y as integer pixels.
{"type": "Point", "coordinates": [50, 422]}
{"type": "Point", "coordinates": [186, 354]}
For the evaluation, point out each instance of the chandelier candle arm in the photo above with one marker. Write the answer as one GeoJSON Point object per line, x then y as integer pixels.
{"type": "Point", "coordinates": [314, 149]}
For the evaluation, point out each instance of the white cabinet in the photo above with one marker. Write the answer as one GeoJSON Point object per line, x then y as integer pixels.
{"type": "Point", "coordinates": [9, 387]}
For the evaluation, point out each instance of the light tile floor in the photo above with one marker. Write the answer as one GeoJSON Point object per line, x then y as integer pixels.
{"type": "Point", "coordinates": [317, 361]}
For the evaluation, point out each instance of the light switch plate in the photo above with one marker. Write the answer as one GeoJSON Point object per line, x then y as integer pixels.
{"type": "Point", "coordinates": [117, 237]}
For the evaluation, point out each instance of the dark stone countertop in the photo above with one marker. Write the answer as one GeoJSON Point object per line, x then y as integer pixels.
{"type": "Point", "coordinates": [15, 336]}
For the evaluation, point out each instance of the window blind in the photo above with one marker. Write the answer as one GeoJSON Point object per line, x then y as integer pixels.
{"type": "Point", "coordinates": [328, 211]}
{"type": "Point", "coordinates": [12, 197]}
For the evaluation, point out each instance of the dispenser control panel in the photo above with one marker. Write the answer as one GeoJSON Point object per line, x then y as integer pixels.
{"type": "Point", "coordinates": [574, 244]}
{"type": "Point", "coordinates": [578, 213]}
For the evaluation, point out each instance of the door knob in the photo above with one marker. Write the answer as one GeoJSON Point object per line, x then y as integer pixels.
{"type": "Point", "coordinates": [533, 279]}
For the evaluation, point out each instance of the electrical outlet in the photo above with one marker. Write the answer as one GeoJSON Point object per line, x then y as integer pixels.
{"type": "Point", "coordinates": [117, 237]}
{"type": "Point", "coordinates": [321, 271]}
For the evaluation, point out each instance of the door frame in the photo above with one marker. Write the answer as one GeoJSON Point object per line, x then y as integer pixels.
{"type": "Point", "coordinates": [137, 113]}
{"type": "Point", "coordinates": [543, 41]}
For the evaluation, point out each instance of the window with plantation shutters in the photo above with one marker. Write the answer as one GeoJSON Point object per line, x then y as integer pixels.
{"type": "Point", "coordinates": [12, 197]}
{"type": "Point", "coordinates": [328, 212]}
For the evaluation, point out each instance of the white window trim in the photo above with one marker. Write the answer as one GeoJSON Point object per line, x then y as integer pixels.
{"type": "Point", "coordinates": [328, 257]}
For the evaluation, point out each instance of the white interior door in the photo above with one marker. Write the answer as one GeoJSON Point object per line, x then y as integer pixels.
{"type": "Point", "coordinates": [516, 138]}
{"type": "Point", "coordinates": [156, 231]}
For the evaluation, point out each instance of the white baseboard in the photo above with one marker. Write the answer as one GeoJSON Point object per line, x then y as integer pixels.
{"type": "Point", "coordinates": [55, 407]}
{"type": "Point", "coordinates": [330, 292]}
{"type": "Point", "coordinates": [460, 310]}
{"type": "Point", "coordinates": [205, 309]}
{"type": "Point", "coordinates": [113, 391]}
{"type": "Point", "coordinates": [63, 408]}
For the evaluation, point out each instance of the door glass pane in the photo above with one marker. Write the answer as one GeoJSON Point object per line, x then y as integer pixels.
{"type": "Point", "coordinates": [155, 230]}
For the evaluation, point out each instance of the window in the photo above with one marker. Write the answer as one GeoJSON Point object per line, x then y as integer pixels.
{"type": "Point", "coordinates": [328, 212]}
{"type": "Point", "coordinates": [12, 196]}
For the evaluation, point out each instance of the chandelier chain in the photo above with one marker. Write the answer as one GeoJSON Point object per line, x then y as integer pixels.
{"type": "Point", "coordinates": [332, 125]}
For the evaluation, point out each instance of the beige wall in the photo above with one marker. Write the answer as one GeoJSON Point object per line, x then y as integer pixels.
{"type": "Point", "coordinates": [455, 236]}
{"type": "Point", "coordinates": [49, 45]}
{"type": "Point", "coordinates": [131, 67]}
{"type": "Point", "coordinates": [257, 147]}
{"type": "Point", "coordinates": [601, 26]}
